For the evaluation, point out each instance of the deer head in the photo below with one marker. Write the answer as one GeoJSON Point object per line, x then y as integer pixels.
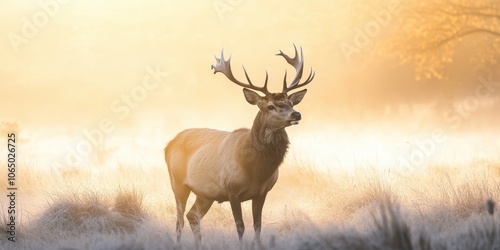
{"type": "Point", "coordinates": [276, 109]}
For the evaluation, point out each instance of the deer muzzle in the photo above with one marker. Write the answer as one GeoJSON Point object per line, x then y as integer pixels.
{"type": "Point", "coordinates": [295, 118]}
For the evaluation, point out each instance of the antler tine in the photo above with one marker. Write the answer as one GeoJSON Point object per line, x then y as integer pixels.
{"type": "Point", "coordinates": [298, 63]}
{"type": "Point", "coordinates": [223, 66]}
{"type": "Point", "coordinates": [284, 83]}
{"type": "Point", "coordinates": [265, 84]}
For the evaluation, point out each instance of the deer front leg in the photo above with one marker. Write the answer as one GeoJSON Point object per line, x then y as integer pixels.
{"type": "Point", "coordinates": [238, 218]}
{"type": "Point", "coordinates": [257, 204]}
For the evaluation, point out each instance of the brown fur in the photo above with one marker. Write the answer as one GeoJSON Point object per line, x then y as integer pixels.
{"type": "Point", "coordinates": [231, 166]}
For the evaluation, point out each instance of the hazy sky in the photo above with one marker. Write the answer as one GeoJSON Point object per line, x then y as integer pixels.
{"type": "Point", "coordinates": [143, 67]}
{"type": "Point", "coordinates": [73, 63]}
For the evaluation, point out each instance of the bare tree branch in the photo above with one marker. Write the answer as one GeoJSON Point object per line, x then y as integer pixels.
{"type": "Point", "coordinates": [430, 30]}
{"type": "Point", "coordinates": [464, 34]}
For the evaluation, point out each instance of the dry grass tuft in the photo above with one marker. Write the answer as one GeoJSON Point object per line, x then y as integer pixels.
{"type": "Point", "coordinates": [88, 212]}
{"type": "Point", "coordinates": [395, 231]}
{"type": "Point", "coordinates": [129, 204]}
{"type": "Point", "coordinates": [438, 207]}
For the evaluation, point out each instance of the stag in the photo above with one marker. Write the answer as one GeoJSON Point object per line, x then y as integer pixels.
{"type": "Point", "coordinates": [240, 165]}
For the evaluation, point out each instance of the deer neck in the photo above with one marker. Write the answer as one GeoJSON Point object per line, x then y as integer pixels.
{"type": "Point", "coordinates": [265, 136]}
{"type": "Point", "coordinates": [265, 149]}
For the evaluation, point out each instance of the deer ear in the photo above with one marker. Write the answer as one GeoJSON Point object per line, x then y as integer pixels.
{"type": "Point", "coordinates": [296, 97]}
{"type": "Point", "coordinates": [252, 97]}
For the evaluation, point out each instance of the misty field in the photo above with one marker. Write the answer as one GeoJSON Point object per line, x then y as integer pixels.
{"type": "Point", "coordinates": [398, 145]}
{"type": "Point", "coordinates": [438, 206]}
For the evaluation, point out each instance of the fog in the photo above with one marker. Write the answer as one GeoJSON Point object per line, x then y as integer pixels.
{"type": "Point", "coordinates": [98, 85]}
{"type": "Point", "coordinates": [66, 67]}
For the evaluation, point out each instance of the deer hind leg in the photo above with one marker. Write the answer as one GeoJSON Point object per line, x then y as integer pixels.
{"type": "Point", "coordinates": [199, 209]}
{"type": "Point", "coordinates": [181, 196]}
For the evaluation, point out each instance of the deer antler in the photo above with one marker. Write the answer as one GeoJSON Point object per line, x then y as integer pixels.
{"type": "Point", "coordinates": [223, 66]}
{"type": "Point", "coordinates": [298, 64]}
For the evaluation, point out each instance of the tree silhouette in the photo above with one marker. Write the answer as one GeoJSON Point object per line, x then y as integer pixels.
{"type": "Point", "coordinates": [430, 32]}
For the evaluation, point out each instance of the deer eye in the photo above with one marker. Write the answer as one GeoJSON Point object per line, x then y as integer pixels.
{"type": "Point", "coordinates": [271, 107]}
